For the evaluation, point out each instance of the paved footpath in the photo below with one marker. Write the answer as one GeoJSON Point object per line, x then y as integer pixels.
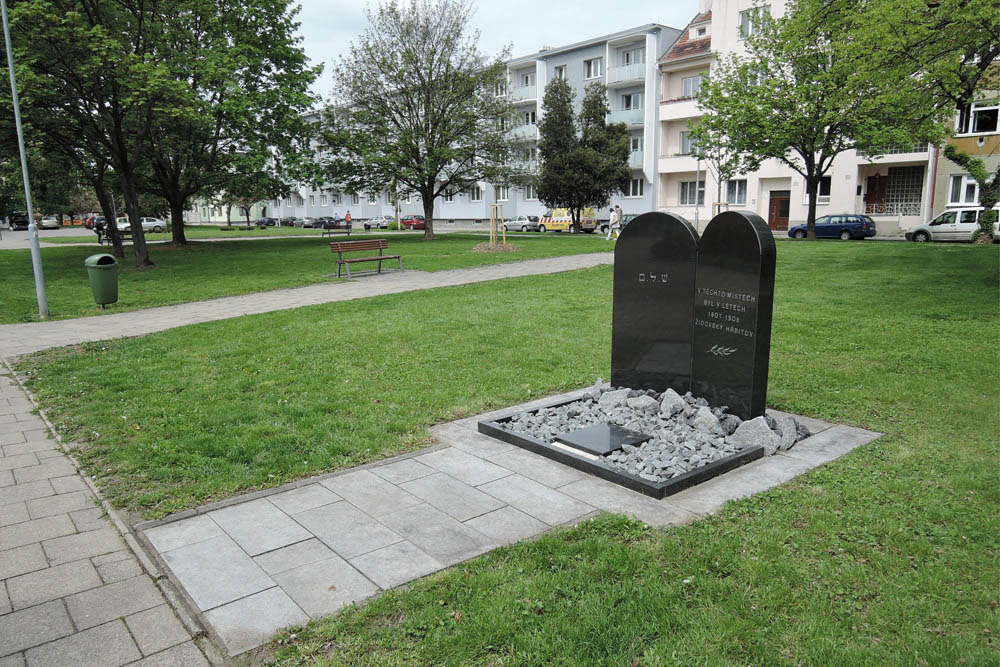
{"type": "Point", "coordinates": [17, 339]}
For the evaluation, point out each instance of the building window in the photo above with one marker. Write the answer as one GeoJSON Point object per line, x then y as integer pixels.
{"type": "Point", "coordinates": [529, 117]}
{"type": "Point", "coordinates": [560, 72]}
{"type": "Point", "coordinates": [631, 101]}
{"type": "Point", "coordinates": [324, 200]}
{"type": "Point", "coordinates": [592, 68]}
{"type": "Point", "coordinates": [500, 89]}
{"type": "Point", "coordinates": [690, 190]}
{"type": "Point", "coordinates": [449, 197]}
{"type": "Point", "coordinates": [964, 190]}
{"type": "Point", "coordinates": [288, 202]}
{"type": "Point", "coordinates": [335, 199]}
{"type": "Point", "coordinates": [312, 200]}
{"type": "Point", "coordinates": [276, 203]}
{"type": "Point", "coordinates": [635, 187]}
{"type": "Point", "coordinates": [736, 192]}
{"type": "Point", "coordinates": [372, 198]}
{"type": "Point", "coordinates": [701, 32]}
{"type": "Point", "coordinates": [527, 79]}
{"type": "Point", "coordinates": [691, 85]}
{"type": "Point", "coordinates": [634, 56]}
{"type": "Point", "coordinates": [530, 193]}
{"type": "Point", "coordinates": [687, 145]}
{"type": "Point", "coordinates": [824, 190]}
{"type": "Point", "coordinates": [979, 118]}
{"type": "Point", "coordinates": [204, 211]}
{"type": "Point", "coordinates": [299, 201]}
{"type": "Point", "coordinates": [503, 192]}
{"type": "Point", "coordinates": [751, 19]}
{"type": "Point", "coordinates": [475, 193]}
{"type": "Point", "coordinates": [636, 144]}
{"type": "Point", "coordinates": [355, 200]}
{"type": "Point", "coordinates": [905, 185]}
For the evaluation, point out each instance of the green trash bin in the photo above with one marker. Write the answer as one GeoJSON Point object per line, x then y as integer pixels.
{"type": "Point", "coordinates": [102, 270]}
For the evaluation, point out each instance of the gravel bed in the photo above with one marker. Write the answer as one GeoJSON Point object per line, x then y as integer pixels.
{"type": "Point", "coordinates": [686, 432]}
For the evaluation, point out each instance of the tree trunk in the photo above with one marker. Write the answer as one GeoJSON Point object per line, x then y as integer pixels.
{"type": "Point", "coordinates": [177, 236]}
{"type": "Point", "coordinates": [110, 225]}
{"type": "Point", "coordinates": [428, 216]}
{"type": "Point", "coordinates": [131, 194]}
{"type": "Point", "coordinates": [812, 187]}
{"type": "Point", "coordinates": [246, 212]}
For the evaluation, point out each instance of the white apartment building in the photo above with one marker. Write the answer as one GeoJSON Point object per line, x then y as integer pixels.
{"type": "Point", "coordinates": [895, 189]}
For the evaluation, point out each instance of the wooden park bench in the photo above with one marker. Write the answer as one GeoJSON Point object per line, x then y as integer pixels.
{"type": "Point", "coordinates": [331, 228]}
{"type": "Point", "coordinates": [362, 246]}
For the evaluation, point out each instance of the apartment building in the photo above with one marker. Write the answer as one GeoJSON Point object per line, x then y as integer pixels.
{"type": "Point", "coordinates": [894, 188]}
{"type": "Point", "coordinates": [977, 133]}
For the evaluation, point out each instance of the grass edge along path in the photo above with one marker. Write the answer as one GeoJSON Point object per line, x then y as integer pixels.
{"type": "Point", "coordinates": [885, 557]}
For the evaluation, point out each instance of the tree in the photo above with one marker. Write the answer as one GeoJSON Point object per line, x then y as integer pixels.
{"type": "Point", "coordinates": [584, 160]}
{"type": "Point", "coordinates": [248, 184]}
{"type": "Point", "coordinates": [417, 103]}
{"type": "Point", "coordinates": [801, 95]}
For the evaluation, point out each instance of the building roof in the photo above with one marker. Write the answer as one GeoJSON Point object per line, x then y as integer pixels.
{"type": "Point", "coordinates": [685, 47]}
{"type": "Point", "coordinates": [639, 30]}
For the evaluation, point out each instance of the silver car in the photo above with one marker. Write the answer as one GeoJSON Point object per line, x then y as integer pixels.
{"type": "Point", "coordinates": [521, 223]}
{"type": "Point", "coordinates": [956, 225]}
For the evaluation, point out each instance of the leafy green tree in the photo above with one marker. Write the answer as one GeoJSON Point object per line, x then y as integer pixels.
{"type": "Point", "coordinates": [584, 159]}
{"type": "Point", "coordinates": [417, 105]}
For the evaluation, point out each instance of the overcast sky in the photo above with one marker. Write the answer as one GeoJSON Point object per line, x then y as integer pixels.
{"type": "Point", "coordinates": [328, 26]}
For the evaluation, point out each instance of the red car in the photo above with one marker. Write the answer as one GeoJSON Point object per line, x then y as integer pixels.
{"type": "Point", "coordinates": [414, 222]}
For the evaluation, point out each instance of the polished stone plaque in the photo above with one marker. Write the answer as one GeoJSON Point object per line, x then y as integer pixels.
{"type": "Point", "coordinates": [655, 261]}
{"type": "Point", "coordinates": [601, 438]}
{"type": "Point", "coordinates": [733, 298]}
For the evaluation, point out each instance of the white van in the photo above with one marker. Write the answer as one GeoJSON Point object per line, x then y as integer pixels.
{"type": "Point", "coordinates": [955, 224]}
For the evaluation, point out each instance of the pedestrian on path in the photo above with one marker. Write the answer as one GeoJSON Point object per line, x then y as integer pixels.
{"type": "Point", "coordinates": [615, 224]}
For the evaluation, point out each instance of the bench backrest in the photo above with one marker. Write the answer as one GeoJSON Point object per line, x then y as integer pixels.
{"type": "Point", "coordinates": [350, 246]}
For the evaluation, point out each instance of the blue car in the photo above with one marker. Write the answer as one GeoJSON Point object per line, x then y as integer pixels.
{"type": "Point", "coordinates": [844, 226]}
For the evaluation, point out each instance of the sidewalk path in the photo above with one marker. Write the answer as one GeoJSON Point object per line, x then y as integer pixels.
{"type": "Point", "coordinates": [17, 339]}
{"type": "Point", "coordinates": [71, 590]}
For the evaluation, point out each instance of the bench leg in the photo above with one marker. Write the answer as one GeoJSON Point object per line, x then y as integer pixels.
{"type": "Point", "coordinates": [400, 263]}
{"type": "Point", "coordinates": [348, 271]}
{"type": "Point", "coordinates": [339, 264]}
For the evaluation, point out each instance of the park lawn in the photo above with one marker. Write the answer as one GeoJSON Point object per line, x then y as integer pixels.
{"type": "Point", "coordinates": [887, 556]}
{"type": "Point", "coordinates": [208, 270]}
{"type": "Point", "coordinates": [196, 232]}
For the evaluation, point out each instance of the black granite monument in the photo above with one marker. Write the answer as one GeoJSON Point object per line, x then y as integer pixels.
{"type": "Point", "coordinates": [654, 281]}
{"type": "Point", "coordinates": [733, 298]}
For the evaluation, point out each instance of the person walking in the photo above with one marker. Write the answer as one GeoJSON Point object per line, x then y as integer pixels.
{"type": "Point", "coordinates": [347, 219]}
{"type": "Point", "coordinates": [615, 224]}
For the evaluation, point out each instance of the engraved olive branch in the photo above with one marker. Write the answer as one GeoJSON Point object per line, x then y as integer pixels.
{"type": "Point", "coordinates": [722, 351]}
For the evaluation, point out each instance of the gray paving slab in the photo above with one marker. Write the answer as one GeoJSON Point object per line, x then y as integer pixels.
{"type": "Point", "coordinates": [69, 483]}
{"type": "Point", "coordinates": [33, 447]}
{"type": "Point", "coordinates": [87, 520]}
{"type": "Point", "coordinates": [463, 466]}
{"type": "Point", "coordinates": [110, 601]}
{"type": "Point", "coordinates": [183, 655]}
{"type": "Point", "coordinates": [22, 492]}
{"type": "Point", "coordinates": [60, 504]}
{"type": "Point", "coordinates": [830, 444]}
{"type": "Point", "coordinates": [507, 525]}
{"type": "Point", "coordinates": [6, 478]}
{"type": "Point", "coordinates": [537, 500]}
{"type": "Point", "coordinates": [20, 560]}
{"type": "Point", "coordinates": [33, 626]}
{"type": "Point", "coordinates": [396, 564]}
{"type": "Point", "coordinates": [108, 645]}
{"type": "Point", "coordinates": [251, 621]}
{"type": "Point", "coordinates": [16, 660]}
{"type": "Point", "coordinates": [52, 583]}
{"type": "Point", "coordinates": [619, 500]}
{"type": "Point", "coordinates": [304, 498]}
{"type": "Point", "coordinates": [370, 492]}
{"type": "Point", "coordinates": [258, 526]}
{"type": "Point", "coordinates": [18, 461]}
{"type": "Point", "coordinates": [35, 530]}
{"type": "Point", "coordinates": [182, 533]}
{"type": "Point", "coordinates": [11, 437]}
{"type": "Point", "coordinates": [216, 571]}
{"type": "Point", "coordinates": [13, 513]}
{"type": "Point", "coordinates": [51, 468]}
{"type": "Point", "coordinates": [156, 629]}
{"type": "Point", "coordinates": [323, 587]}
{"type": "Point", "coordinates": [293, 556]}
{"type": "Point", "coordinates": [455, 498]}
{"type": "Point", "coordinates": [541, 469]}
{"type": "Point", "coordinates": [5, 605]}
{"type": "Point", "coordinates": [438, 535]}
{"type": "Point", "coordinates": [119, 570]}
{"type": "Point", "coordinates": [82, 545]}
{"type": "Point", "coordinates": [346, 529]}
{"type": "Point", "coordinates": [402, 471]}
{"type": "Point", "coordinates": [469, 440]}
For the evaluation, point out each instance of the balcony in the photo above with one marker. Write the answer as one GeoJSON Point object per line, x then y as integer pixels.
{"type": "Point", "coordinates": [677, 164]}
{"type": "Point", "coordinates": [525, 133]}
{"type": "Point", "coordinates": [893, 209]}
{"type": "Point", "coordinates": [527, 166]}
{"type": "Point", "coordinates": [896, 154]}
{"type": "Point", "coordinates": [679, 109]}
{"type": "Point", "coordinates": [626, 73]}
{"type": "Point", "coordinates": [627, 116]}
{"type": "Point", "coordinates": [635, 160]}
{"type": "Point", "coordinates": [524, 94]}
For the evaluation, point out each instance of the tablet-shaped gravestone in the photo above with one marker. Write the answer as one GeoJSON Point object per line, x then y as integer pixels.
{"type": "Point", "coordinates": [733, 298]}
{"type": "Point", "coordinates": [655, 261]}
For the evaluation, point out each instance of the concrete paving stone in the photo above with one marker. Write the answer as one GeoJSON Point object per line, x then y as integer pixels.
{"type": "Point", "coordinates": [251, 621]}
{"type": "Point", "coordinates": [182, 533]}
{"type": "Point", "coordinates": [16, 660]}
{"type": "Point", "coordinates": [438, 535]}
{"type": "Point", "coordinates": [5, 605]}
{"type": "Point", "coordinates": [60, 504]}
{"type": "Point", "coordinates": [34, 434]}
{"type": "Point", "coordinates": [830, 444]}
{"type": "Point", "coordinates": [538, 500]}
{"type": "Point", "coordinates": [24, 492]}
{"type": "Point", "coordinates": [369, 492]}
{"type": "Point", "coordinates": [32, 447]}
{"type": "Point", "coordinates": [13, 513]}
{"type": "Point", "coordinates": [183, 655]}
{"type": "Point", "coordinates": [11, 437]}
{"type": "Point", "coordinates": [542, 470]}
{"type": "Point", "coordinates": [119, 571]}
{"type": "Point", "coordinates": [82, 545]}
{"type": "Point", "coordinates": [619, 500]}
{"type": "Point", "coordinates": [6, 478]}
{"type": "Point", "coordinates": [51, 468]}
{"type": "Point", "coordinates": [113, 557]}
{"type": "Point", "coordinates": [69, 483]}
{"type": "Point", "coordinates": [156, 629]}
{"type": "Point", "coordinates": [30, 419]}
{"type": "Point", "coordinates": [216, 571]}
{"type": "Point", "coordinates": [86, 520]}
{"type": "Point", "coordinates": [258, 526]}
{"type": "Point", "coordinates": [451, 496]}
{"type": "Point", "coordinates": [52, 583]}
{"type": "Point", "coordinates": [304, 498]}
{"type": "Point", "coordinates": [402, 471]}
{"type": "Point", "coordinates": [507, 525]}
{"type": "Point", "coordinates": [7, 419]}
{"type": "Point", "coordinates": [107, 645]}
{"type": "Point", "coordinates": [36, 530]}
{"type": "Point", "coordinates": [396, 564]}
{"type": "Point", "coordinates": [122, 598]}
{"type": "Point", "coordinates": [20, 560]}
{"type": "Point", "coordinates": [48, 454]}
{"type": "Point", "coordinates": [323, 587]}
{"type": "Point", "coordinates": [291, 557]}
{"type": "Point", "coordinates": [346, 529]}
{"type": "Point", "coordinates": [33, 626]}
{"type": "Point", "coordinates": [18, 461]}
{"type": "Point", "coordinates": [463, 466]}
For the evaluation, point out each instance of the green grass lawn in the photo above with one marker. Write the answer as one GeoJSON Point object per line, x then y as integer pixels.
{"type": "Point", "coordinates": [212, 269]}
{"type": "Point", "coordinates": [888, 556]}
{"type": "Point", "coordinates": [196, 232]}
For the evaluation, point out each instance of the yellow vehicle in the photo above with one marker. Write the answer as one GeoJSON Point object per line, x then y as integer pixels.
{"type": "Point", "coordinates": [559, 219]}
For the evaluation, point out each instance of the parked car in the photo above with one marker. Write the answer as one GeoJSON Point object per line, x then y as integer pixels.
{"type": "Point", "coordinates": [955, 225]}
{"type": "Point", "coordinates": [844, 226]}
{"type": "Point", "coordinates": [286, 222]}
{"type": "Point", "coordinates": [94, 222]}
{"type": "Point", "coordinates": [303, 222]}
{"type": "Point", "coordinates": [414, 222]}
{"type": "Point", "coordinates": [378, 222]}
{"type": "Point", "coordinates": [49, 222]}
{"type": "Point", "coordinates": [523, 223]}
{"type": "Point", "coordinates": [266, 222]}
{"type": "Point", "coordinates": [148, 224]}
{"type": "Point", "coordinates": [17, 220]}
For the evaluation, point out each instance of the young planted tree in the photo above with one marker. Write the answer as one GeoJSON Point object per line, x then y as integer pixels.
{"type": "Point", "coordinates": [417, 104]}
